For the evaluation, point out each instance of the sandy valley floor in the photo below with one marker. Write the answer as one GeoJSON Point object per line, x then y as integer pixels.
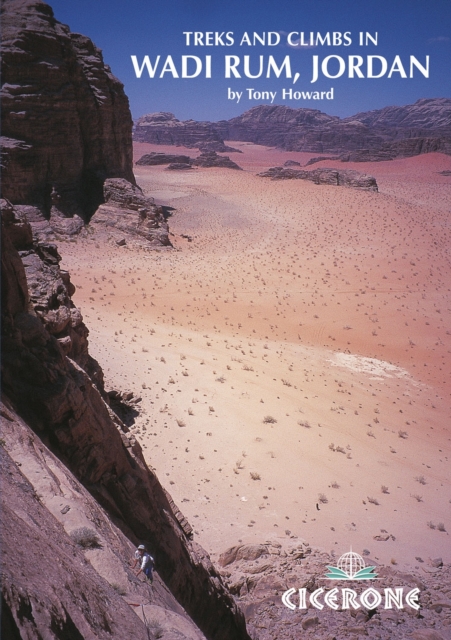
{"type": "Point", "coordinates": [293, 358]}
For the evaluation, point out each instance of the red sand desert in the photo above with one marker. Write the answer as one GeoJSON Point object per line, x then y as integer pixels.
{"type": "Point", "coordinates": [292, 353]}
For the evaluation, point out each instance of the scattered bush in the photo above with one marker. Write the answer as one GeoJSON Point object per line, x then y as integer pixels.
{"type": "Point", "coordinates": [255, 475]}
{"type": "Point", "coordinates": [86, 538]}
{"type": "Point", "coordinates": [119, 588]}
{"type": "Point", "coordinates": [269, 420]}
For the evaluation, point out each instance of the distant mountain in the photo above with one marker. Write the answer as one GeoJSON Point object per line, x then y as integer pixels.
{"type": "Point", "coordinates": [427, 124]}
{"type": "Point", "coordinates": [425, 114]}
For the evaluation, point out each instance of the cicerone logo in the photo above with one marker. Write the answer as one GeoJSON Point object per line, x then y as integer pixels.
{"type": "Point", "coordinates": [350, 566]}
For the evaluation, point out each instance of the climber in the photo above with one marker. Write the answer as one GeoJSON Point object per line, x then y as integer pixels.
{"type": "Point", "coordinates": [146, 562]}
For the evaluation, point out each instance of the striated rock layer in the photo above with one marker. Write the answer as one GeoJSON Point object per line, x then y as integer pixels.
{"type": "Point", "coordinates": [65, 118]}
{"type": "Point", "coordinates": [50, 381]}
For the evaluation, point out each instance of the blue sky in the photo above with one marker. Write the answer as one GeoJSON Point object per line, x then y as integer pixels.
{"type": "Point", "coordinates": [147, 27]}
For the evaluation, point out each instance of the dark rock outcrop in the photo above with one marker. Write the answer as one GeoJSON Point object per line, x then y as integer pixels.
{"type": "Point", "coordinates": [150, 159]}
{"type": "Point", "coordinates": [62, 403]}
{"type": "Point", "coordinates": [48, 293]}
{"type": "Point", "coordinates": [428, 122]}
{"type": "Point", "coordinates": [179, 166]}
{"type": "Point", "coordinates": [334, 177]}
{"type": "Point", "coordinates": [129, 211]}
{"type": "Point", "coordinates": [218, 146]}
{"type": "Point", "coordinates": [65, 117]}
{"type": "Point", "coordinates": [211, 159]}
{"type": "Point", "coordinates": [320, 159]}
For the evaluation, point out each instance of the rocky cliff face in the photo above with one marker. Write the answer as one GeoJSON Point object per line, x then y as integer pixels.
{"type": "Point", "coordinates": [66, 122]}
{"type": "Point", "coordinates": [52, 527]}
{"type": "Point", "coordinates": [383, 134]}
{"type": "Point", "coordinates": [49, 379]}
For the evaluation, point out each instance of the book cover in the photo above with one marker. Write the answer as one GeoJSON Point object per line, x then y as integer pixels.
{"type": "Point", "coordinates": [267, 285]}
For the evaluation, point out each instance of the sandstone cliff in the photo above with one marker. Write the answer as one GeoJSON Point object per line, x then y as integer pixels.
{"type": "Point", "coordinates": [66, 122]}
{"type": "Point", "coordinates": [50, 381]}
{"type": "Point", "coordinates": [381, 134]}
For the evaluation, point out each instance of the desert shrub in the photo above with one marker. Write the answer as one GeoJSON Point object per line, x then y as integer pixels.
{"type": "Point", "coordinates": [119, 588]}
{"type": "Point", "coordinates": [86, 538]}
{"type": "Point", "coordinates": [322, 498]}
{"type": "Point", "coordinates": [269, 420]}
{"type": "Point", "coordinates": [255, 475]}
{"type": "Point", "coordinates": [373, 501]}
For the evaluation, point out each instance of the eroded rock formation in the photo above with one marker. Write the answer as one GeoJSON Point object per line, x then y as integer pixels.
{"type": "Point", "coordinates": [333, 177]}
{"type": "Point", "coordinates": [65, 117]}
{"type": "Point", "coordinates": [128, 211]}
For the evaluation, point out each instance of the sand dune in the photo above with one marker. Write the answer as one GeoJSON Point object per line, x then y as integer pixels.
{"type": "Point", "coordinates": [291, 351]}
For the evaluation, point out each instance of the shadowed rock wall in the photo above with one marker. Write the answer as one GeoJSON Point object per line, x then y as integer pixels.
{"type": "Point", "coordinates": [66, 123]}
